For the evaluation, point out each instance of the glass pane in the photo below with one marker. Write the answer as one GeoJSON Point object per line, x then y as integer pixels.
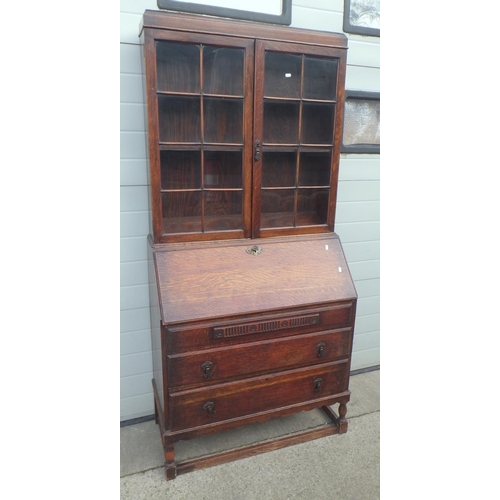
{"type": "Point", "coordinates": [362, 122]}
{"type": "Point", "coordinates": [179, 119]}
{"type": "Point", "coordinates": [178, 67]}
{"type": "Point", "coordinates": [278, 168]}
{"type": "Point", "coordinates": [181, 212]}
{"type": "Point", "coordinates": [312, 206]}
{"type": "Point", "coordinates": [180, 169]}
{"type": "Point", "coordinates": [317, 123]}
{"type": "Point", "coordinates": [282, 75]}
{"type": "Point", "coordinates": [223, 169]}
{"type": "Point", "coordinates": [223, 210]}
{"type": "Point", "coordinates": [320, 78]}
{"type": "Point", "coordinates": [222, 71]}
{"type": "Point", "coordinates": [223, 120]}
{"type": "Point", "coordinates": [314, 169]}
{"type": "Point", "coordinates": [277, 208]}
{"type": "Point", "coordinates": [281, 122]}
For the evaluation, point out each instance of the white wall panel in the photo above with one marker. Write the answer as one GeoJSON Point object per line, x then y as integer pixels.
{"type": "Point", "coordinates": [137, 406]}
{"type": "Point", "coordinates": [367, 323]}
{"type": "Point", "coordinates": [331, 5]}
{"type": "Point", "coordinates": [134, 248]}
{"type": "Point", "coordinates": [365, 358]}
{"type": "Point", "coordinates": [362, 250]}
{"type": "Point", "coordinates": [368, 340]}
{"type": "Point", "coordinates": [365, 270]}
{"type": "Point", "coordinates": [137, 6]}
{"type": "Point", "coordinates": [362, 78]}
{"type": "Point", "coordinates": [135, 342]}
{"type": "Point", "coordinates": [133, 320]}
{"type": "Point", "coordinates": [305, 17]}
{"type": "Point", "coordinates": [133, 145]}
{"type": "Point", "coordinates": [133, 172]}
{"type": "Point", "coordinates": [129, 27]}
{"type": "Point", "coordinates": [358, 231]}
{"type": "Point", "coordinates": [368, 305]}
{"type": "Point", "coordinates": [134, 273]}
{"type": "Point", "coordinates": [356, 168]}
{"type": "Point", "coordinates": [132, 117]}
{"type": "Point", "coordinates": [358, 191]}
{"type": "Point", "coordinates": [135, 384]}
{"type": "Point", "coordinates": [134, 223]}
{"type": "Point", "coordinates": [363, 53]}
{"type": "Point", "coordinates": [135, 338]}
{"type": "Point", "coordinates": [368, 288]}
{"type": "Point", "coordinates": [135, 364]}
{"type": "Point", "coordinates": [134, 198]}
{"type": "Point", "coordinates": [130, 58]}
{"type": "Point", "coordinates": [131, 90]}
{"type": "Point", "coordinates": [358, 209]}
{"type": "Point", "coordinates": [134, 296]}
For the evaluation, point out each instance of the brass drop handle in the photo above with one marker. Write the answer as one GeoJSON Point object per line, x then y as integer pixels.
{"type": "Point", "coordinates": [207, 367]}
{"type": "Point", "coordinates": [317, 384]}
{"type": "Point", "coordinates": [321, 349]}
{"type": "Point", "coordinates": [209, 407]}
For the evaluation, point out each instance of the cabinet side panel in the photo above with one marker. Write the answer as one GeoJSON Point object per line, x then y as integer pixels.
{"type": "Point", "coordinates": [156, 347]}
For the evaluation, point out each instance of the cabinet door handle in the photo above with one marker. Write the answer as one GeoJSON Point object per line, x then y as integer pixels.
{"type": "Point", "coordinates": [207, 367]}
{"type": "Point", "coordinates": [317, 384]}
{"type": "Point", "coordinates": [209, 407]}
{"type": "Point", "coordinates": [321, 349]}
{"type": "Point", "coordinates": [257, 150]}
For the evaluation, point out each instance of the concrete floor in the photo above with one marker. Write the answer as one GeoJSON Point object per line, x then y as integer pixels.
{"type": "Point", "coordinates": [342, 467]}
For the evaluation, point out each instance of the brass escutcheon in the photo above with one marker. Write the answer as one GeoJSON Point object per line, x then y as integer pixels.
{"type": "Point", "coordinates": [255, 250]}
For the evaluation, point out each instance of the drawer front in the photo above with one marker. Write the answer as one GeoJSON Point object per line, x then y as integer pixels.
{"type": "Point", "coordinates": [259, 327]}
{"type": "Point", "coordinates": [212, 365]}
{"type": "Point", "coordinates": [198, 407]}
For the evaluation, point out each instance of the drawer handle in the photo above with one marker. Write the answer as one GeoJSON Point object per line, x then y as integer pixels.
{"type": "Point", "coordinates": [209, 407]}
{"type": "Point", "coordinates": [321, 349]}
{"type": "Point", "coordinates": [207, 367]}
{"type": "Point", "coordinates": [317, 384]}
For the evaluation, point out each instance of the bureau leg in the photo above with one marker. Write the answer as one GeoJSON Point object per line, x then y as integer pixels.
{"type": "Point", "coordinates": [342, 422]}
{"type": "Point", "coordinates": [170, 466]}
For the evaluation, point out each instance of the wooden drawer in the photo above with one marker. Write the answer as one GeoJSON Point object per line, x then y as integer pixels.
{"type": "Point", "coordinates": [204, 406]}
{"type": "Point", "coordinates": [259, 327]}
{"type": "Point", "coordinates": [212, 365]}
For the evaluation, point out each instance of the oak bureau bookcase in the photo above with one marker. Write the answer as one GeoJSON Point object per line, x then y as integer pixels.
{"type": "Point", "coordinates": [252, 301]}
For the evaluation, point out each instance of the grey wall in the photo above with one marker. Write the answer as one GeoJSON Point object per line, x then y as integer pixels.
{"type": "Point", "coordinates": [357, 213]}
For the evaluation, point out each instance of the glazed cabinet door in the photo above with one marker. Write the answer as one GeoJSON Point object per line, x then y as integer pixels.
{"type": "Point", "coordinates": [199, 96]}
{"type": "Point", "coordinates": [297, 131]}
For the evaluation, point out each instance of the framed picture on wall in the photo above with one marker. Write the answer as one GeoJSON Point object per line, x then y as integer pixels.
{"type": "Point", "coordinates": [361, 132]}
{"type": "Point", "coordinates": [362, 17]}
{"type": "Point", "coordinates": [266, 11]}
